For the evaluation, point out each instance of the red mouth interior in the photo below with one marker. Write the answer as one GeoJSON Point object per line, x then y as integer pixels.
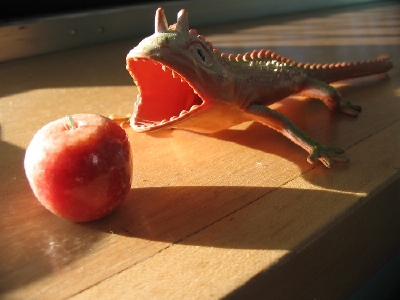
{"type": "Point", "coordinates": [163, 97]}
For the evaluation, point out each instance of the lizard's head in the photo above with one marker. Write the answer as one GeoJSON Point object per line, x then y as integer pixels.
{"type": "Point", "coordinates": [176, 73]}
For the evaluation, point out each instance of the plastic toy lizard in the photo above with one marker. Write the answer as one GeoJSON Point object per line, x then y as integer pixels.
{"type": "Point", "coordinates": [185, 83]}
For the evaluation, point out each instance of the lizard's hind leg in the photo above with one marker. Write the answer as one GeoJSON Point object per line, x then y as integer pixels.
{"type": "Point", "coordinates": [330, 96]}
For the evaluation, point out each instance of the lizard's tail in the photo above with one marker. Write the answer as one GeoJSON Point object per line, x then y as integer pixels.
{"type": "Point", "coordinates": [346, 70]}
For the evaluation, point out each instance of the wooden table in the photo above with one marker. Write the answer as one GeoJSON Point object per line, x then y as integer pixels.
{"type": "Point", "coordinates": [235, 213]}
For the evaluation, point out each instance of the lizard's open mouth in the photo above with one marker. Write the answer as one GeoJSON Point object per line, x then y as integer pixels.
{"type": "Point", "coordinates": [165, 98]}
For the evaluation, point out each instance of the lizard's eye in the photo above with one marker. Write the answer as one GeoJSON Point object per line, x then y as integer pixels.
{"type": "Point", "coordinates": [201, 54]}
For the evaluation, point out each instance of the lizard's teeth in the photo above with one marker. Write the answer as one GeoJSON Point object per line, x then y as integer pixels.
{"type": "Point", "coordinates": [194, 107]}
{"type": "Point", "coordinates": [174, 75]}
{"type": "Point", "coordinates": [164, 68]}
{"type": "Point", "coordinates": [163, 121]}
{"type": "Point", "coordinates": [173, 118]}
{"type": "Point", "coordinates": [183, 112]}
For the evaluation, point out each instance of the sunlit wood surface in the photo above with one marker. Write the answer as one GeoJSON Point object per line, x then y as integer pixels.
{"type": "Point", "coordinates": [237, 213]}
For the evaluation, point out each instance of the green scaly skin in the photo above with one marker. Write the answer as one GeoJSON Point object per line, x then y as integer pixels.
{"type": "Point", "coordinates": [185, 83]}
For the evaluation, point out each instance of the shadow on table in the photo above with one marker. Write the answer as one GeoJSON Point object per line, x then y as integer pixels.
{"type": "Point", "coordinates": [269, 219]}
{"type": "Point", "coordinates": [240, 217]}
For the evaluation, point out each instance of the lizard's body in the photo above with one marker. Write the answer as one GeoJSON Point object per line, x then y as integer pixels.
{"type": "Point", "coordinates": [185, 83]}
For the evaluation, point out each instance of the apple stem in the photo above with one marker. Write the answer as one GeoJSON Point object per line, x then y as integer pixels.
{"type": "Point", "coordinates": [70, 123]}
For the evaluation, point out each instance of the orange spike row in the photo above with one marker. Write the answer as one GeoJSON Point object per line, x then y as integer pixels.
{"type": "Point", "coordinates": [216, 50]}
{"type": "Point", "coordinates": [253, 54]}
{"type": "Point", "coordinates": [246, 56]}
{"type": "Point", "coordinates": [261, 54]}
{"type": "Point", "coordinates": [224, 55]}
{"type": "Point", "coordinates": [231, 57]}
{"type": "Point", "coordinates": [382, 57]}
{"type": "Point", "coordinates": [193, 31]}
{"type": "Point", "coordinates": [200, 36]}
{"type": "Point", "coordinates": [239, 57]}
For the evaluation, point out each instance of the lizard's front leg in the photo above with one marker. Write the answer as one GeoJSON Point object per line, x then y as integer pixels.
{"type": "Point", "coordinates": [279, 122]}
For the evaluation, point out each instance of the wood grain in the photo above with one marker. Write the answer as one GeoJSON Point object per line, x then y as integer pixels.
{"type": "Point", "coordinates": [233, 214]}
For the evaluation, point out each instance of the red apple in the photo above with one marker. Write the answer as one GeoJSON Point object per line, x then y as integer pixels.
{"type": "Point", "coordinates": [80, 167]}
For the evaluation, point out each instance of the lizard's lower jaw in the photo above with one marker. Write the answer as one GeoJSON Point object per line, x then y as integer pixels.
{"type": "Point", "coordinates": [144, 125]}
{"type": "Point", "coordinates": [165, 97]}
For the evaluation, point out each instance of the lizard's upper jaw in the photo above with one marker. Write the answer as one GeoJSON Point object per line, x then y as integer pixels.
{"type": "Point", "coordinates": [165, 96]}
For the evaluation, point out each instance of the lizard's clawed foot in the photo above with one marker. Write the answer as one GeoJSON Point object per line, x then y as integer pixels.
{"type": "Point", "coordinates": [327, 155]}
{"type": "Point", "coordinates": [350, 109]}
{"type": "Point", "coordinates": [122, 121]}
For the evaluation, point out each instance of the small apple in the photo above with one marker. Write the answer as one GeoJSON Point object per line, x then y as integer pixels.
{"type": "Point", "coordinates": [80, 167]}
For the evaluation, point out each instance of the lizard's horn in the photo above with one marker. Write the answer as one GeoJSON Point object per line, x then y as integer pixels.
{"type": "Point", "coordinates": [182, 23]}
{"type": "Point", "coordinates": [160, 22]}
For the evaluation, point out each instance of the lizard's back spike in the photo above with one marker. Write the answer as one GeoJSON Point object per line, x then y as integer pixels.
{"type": "Point", "coordinates": [160, 22]}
